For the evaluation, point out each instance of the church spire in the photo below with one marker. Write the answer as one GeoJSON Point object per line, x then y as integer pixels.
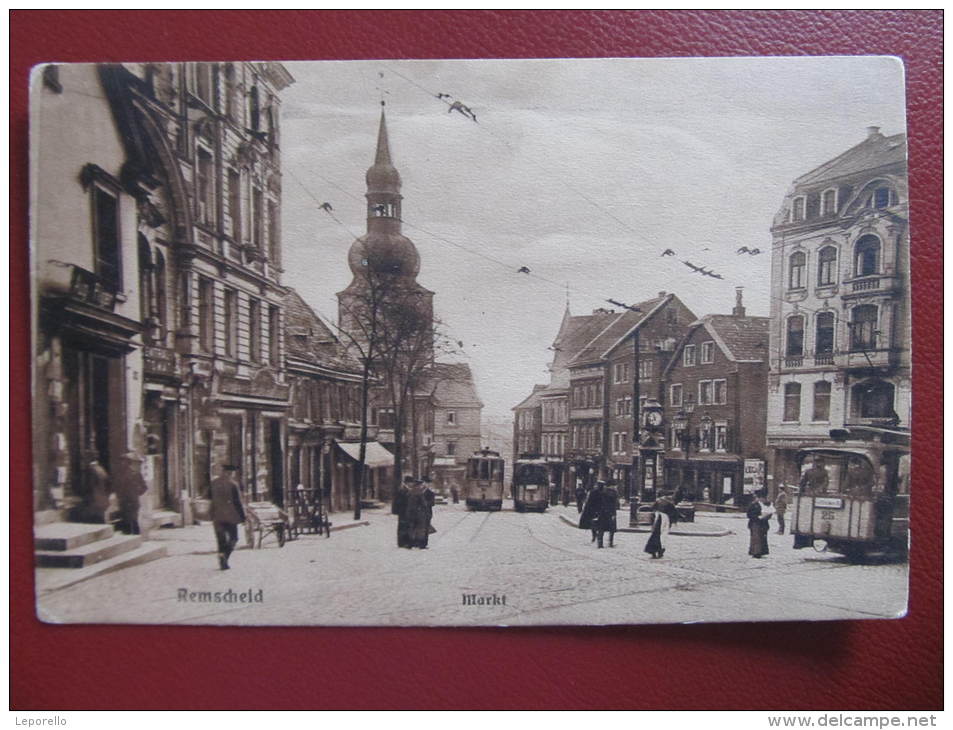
{"type": "Point", "coordinates": [383, 148]}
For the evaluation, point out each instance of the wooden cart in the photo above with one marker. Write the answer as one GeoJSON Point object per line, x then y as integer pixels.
{"type": "Point", "coordinates": [263, 519]}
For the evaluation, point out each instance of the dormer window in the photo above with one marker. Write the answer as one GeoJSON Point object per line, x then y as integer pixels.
{"type": "Point", "coordinates": [881, 198]}
{"type": "Point", "coordinates": [798, 209]}
{"type": "Point", "coordinates": [829, 202]}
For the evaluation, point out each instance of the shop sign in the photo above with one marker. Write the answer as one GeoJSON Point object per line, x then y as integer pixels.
{"type": "Point", "coordinates": [753, 475]}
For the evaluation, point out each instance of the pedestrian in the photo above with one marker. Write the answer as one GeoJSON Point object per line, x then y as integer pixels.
{"type": "Point", "coordinates": [664, 515]}
{"type": "Point", "coordinates": [589, 519]}
{"type": "Point", "coordinates": [226, 511]}
{"type": "Point", "coordinates": [608, 509]}
{"type": "Point", "coordinates": [759, 512]}
{"type": "Point", "coordinates": [454, 490]}
{"type": "Point", "coordinates": [815, 479]}
{"type": "Point", "coordinates": [418, 513]}
{"type": "Point", "coordinates": [580, 496]}
{"type": "Point", "coordinates": [780, 507]}
{"type": "Point", "coordinates": [399, 508]}
{"type": "Point", "coordinates": [130, 486]}
{"type": "Point", "coordinates": [96, 502]}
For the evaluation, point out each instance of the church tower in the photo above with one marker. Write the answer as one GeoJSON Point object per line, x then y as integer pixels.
{"type": "Point", "coordinates": [382, 257]}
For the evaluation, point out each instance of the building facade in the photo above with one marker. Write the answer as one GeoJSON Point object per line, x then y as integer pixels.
{"type": "Point", "coordinates": [840, 312]}
{"type": "Point", "coordinates": [715, 407]}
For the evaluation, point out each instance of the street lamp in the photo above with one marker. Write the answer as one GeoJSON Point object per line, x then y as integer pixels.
{"type": "Point", "coordinates": [683, 421]}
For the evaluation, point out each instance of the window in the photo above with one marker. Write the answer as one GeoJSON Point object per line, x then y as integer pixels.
{"type": "Point", "coordinates": [675, 437]}
{"type": "Point", "coordinates": [645, 369]}
{"type": "Point", "coordinates": [688, 356]}
{"type": "Point", "coordinates": [204, 187]}
{"type": "Point", "coordinates": [385, 418]}
{"type": "Point", "coordinates": [824, 334]}
{"type": "Point", "coordinates": [452, 418]}
{"type": "Point", "coordinates": [106, 237]}
{"type": "Point", "coordinates": [627, 406]}
{"type": "Point", "coordinates": [708, 352]}
{"type": "Point", "coordinates": [822, 401]}
{"type": "Point", "coordinates": [231, 97]}
{"type": "Point", "coordinates": [620, 406]}
{"type": "Point", "coordinates": [799, 209]}
{"type": "Point", "coordinates": [874, 399]}
{"type": "Point", "coordinates": [829, 202]}
{"type": "Point", "coordinates": [705, 433]}
{"type": "Point", "coordinates": [204, 82]}
{"type": "Point", "coordinates": [796, 264]}
{"type": "Point", "coordinates": [621, 372]}
{"type": "Point", "coordinates": [274, 336]}
{"type": "Point", "coordinates": [827, 266]}
{"type": "Point", "coordinates": [704, 392]}
{"type": "Point", "coordinates": [274, 252]}
{"type": "Point", "coordinates": [235, 203]}
{"type": "Point", "coordinates": [863, 328]}
{"type": "Point", "coordinates": [721, 437]}
{"type": "Point", "coordinates": [254, 330]}
{"type": "Point", "coordinates": [720, 395]}
{"type": "Point", "coordinates": [792, 402]}
{"type": "Point", "coordinates": [206, 323]}
{"type": "Point", "coordinates": [676, 395]}
{"type": "Point", "coordinates": [795, 339]}
{"type": "Point", "coordinates": [231, 322]}
{"type": "Point", "coordinates": [259, 221]}
{"type": "Point", "coordinates": [451, 448]}
{"type": "Point", "coordinates": [867, 256]}
{"type": "Point", "coordinates": [254, 109]}
{"type": "Point", "coordinates": [881, 198]}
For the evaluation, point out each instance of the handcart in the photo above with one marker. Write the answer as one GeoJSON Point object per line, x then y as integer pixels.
{"type": "Point", "coordinates": [310, 517]}
{"type": "Point", "coordinates": [265, 518]}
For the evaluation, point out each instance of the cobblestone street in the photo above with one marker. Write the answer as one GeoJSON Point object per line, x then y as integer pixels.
{"type": "Point", "coordinates": [548, 572]}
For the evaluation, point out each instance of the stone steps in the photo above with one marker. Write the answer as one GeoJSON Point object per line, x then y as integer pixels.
{"type": "Point", "coordinates": [60, 536]}
{"type": "Point", "coordinates": [51, 579]}
{"type": "Point", "coordinates": [85, 555]}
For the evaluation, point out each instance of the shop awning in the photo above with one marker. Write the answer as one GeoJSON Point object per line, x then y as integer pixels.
{"type": "Point", "coordinates": [375, 455]}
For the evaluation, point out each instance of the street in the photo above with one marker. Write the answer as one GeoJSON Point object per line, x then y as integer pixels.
{"type": "Point", "coordinates": [519, 569]}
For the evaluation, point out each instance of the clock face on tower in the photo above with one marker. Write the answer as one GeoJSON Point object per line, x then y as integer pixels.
{"type": "Point", "coordinates": [654, 418]}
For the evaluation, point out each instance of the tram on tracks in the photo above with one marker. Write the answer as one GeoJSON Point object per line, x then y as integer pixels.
{"type": "Point", "coordinates": [483, 481]}
{"type": "Point", "coordinates": [853, 500]}
{"type": "Point", "coordinates": [530, 484]}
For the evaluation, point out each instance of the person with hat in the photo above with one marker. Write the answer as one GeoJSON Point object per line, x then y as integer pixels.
{"type": "Point", "coordinates": [96, 501]}
{"type": "Point", "coordinates": [226, 512]}
{"type": "Point", "coordinates": [130, 486]}
{"type": "Point", "coordinates": [399, 508]}
{"type": "Point", "coordinates": [419, 513]}
{"type": "Point", "coordinates": [663, 517]}
{"type": "Point", "coordinates": [591, 511]}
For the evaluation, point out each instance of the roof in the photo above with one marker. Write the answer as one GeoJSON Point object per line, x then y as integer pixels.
{"type": "Point", "coordinates": [874, 152]}
{"type": "Point", "coordinates": [574, 333]}
{"type": "Point", "coordinates": [309, 339]}
{"type": "Point", "coordinates": [740, 338]}
{"type": "Point", "coordinates": [618, 327]}
{"type": "Point", "coordinates": [451, 383]}
{"type": "Point", "coordinates": [533, 399]}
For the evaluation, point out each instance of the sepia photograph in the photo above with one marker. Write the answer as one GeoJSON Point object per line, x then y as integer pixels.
{"type": "Point", "coordinates": [470, 342]}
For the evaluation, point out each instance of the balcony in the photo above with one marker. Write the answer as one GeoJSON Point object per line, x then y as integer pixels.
{"type": "Point", "coordinates": [80, 285]}
{"type": "Point", "coordinates": [864, 286]}
{"type": "Point", "coordinates": [867, 359]}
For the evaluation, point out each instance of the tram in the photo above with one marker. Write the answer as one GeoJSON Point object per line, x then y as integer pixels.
{"type": "Point", "coordinates": [854, 499]}
{"type": "Point", "coordinates": [530, 484]}
{"type": "Point", "coordinates": [483, 482]}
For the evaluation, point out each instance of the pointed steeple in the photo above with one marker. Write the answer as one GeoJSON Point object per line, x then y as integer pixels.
{"type": "Point", "coordinates": [383, 148]}
{"type": "Point", "coordinates": [382, 177]}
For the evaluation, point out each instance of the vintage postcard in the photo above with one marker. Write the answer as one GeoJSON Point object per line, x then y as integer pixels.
{"type": "Point", "coordinates": [535, 342]}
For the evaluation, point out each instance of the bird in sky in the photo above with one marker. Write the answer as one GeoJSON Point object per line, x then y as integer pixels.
{"type": "Point", "coordinates": [615, 303]}
{"type": "Point", "coordinates": [743, 249]}
{"type": "Point", "coordinates": [441, 95]}
{"type": "Point", "coordinates": [326, 207]}
{"type": "Point", "coordinates": [522, 270]}
{"type": "Point", "coordinates": [460, 344]}
{"type": "Point", "coordinates": [668, 252]}
{"type": "Point", "coordinates": [755, 251]}
{"type": "Point", "coordinates": [466, 111]}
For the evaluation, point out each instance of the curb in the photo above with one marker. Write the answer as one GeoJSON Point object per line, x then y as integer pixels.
{"type": "Point", "coordinates": [684, 533]}
{"type": "Point", "coordinates": [349, 525]}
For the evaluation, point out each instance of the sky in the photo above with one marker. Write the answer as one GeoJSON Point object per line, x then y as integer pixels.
{"type": "Point", "coordinates": [583, 171]}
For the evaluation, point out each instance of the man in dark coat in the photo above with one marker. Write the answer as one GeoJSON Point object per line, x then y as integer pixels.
{"type": "Point", "coordinates": [130, 486]}
{"type": "Point", "coordinates": [418, 512]}
{"type": "Point", "coordinates": [226, 512]}
{"type": "Point", "coordinates": [589, 519]}
{"type": "Point", "coordinates": [399, 508]}
{"type": "Point", "coordinates": [580, 497]}
{"type": "Point", "coordinates": [606, 519]}
{"type": "Point", "coordinates": [758, 516]}
{"type": "Point", "coordinates": [815, 479]}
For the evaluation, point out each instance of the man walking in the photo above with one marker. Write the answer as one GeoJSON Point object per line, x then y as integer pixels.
{"type": "Point", "coordinates": [226, 512]}
{"type": "Point", "coordinates": [130, 486]}
{"type": "Point", "coordinates": [780, 507]}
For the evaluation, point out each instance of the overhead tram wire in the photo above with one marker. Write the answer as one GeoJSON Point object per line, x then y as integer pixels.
{"type": "Point", "coordinates": [592, 202]}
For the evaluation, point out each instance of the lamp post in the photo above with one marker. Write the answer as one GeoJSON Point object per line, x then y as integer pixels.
{"type": "Point", "coordinates": [649, 450]}
{"type": "Point", "coordinates": [683, 421]}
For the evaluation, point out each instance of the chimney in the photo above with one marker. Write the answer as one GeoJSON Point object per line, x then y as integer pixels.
{"type": "Point", "coordinates": [661, 294]}
{"type": "Point", "coordinates": [873, 132]}
{"type": "Point", "coordinates": [739, 310]}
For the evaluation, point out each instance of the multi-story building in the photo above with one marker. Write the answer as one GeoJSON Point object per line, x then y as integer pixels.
{"type": "Point", "coordinates": [715, 405]}
{"type": "Point", "coordinates": [607, 380]}
{"type": "Point", "coordinates": [840, 312]}
{"type": "Point", "coordinates": [456, 411]}
{"type": "Point", "coordinates": [527, 423]}
{"type": "Point", "coordinates": [186, 240]}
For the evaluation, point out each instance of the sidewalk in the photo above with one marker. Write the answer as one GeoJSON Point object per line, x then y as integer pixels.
{"type": "Point", "coordinates": [570, 516]}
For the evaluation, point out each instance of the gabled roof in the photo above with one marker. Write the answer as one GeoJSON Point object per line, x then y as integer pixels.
{"type": "Point", "coordinates": [742, 339]}
{"type": "Point", "coordinates": [309, 339]}
{"type": "Point", "coordinates": [451, 383]}
{"type": "Point", "coordinates": [573, 335]}
{"type": "Point", "coordinates": [874, 152]}
{"type": "Point", "coordinates": [532, 400]}
{"type": "Point", "coordinates": [615, 331]}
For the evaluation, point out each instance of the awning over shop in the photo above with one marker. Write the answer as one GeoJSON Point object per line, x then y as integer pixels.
{"type": "Point", "coordinates": [375, 455]}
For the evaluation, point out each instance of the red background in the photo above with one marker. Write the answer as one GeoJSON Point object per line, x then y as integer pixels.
{"type": "Point", "coordinates": [825, 665]}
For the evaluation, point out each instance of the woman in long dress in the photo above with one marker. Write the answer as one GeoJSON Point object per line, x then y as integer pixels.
{"type": "Point", "coordinates": [663, 517]}
{"type": "Point", "coordinates": [418, 513]}
{"type": "Point", "coordinates": [759, 512]}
